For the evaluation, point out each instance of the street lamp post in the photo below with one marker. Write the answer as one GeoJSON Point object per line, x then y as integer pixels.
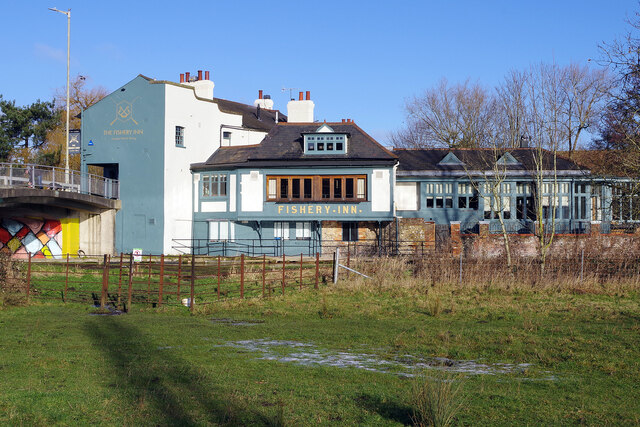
{"type": "Point", "coordinates": [66, 141]}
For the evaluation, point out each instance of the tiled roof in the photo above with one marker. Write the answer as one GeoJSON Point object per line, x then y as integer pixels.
{"type": "Point", "coordinates": [250, 114]}
{"type": "Point", "coordinates": [414, 160]}
{"type": "Point", "coordinates": [283, 146]}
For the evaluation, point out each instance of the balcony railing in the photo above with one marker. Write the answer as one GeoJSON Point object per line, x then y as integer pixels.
{"type": "Point", "coordinates": [15, 175]}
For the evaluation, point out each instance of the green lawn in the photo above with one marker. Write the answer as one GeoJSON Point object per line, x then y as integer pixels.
{"type": "Point", "coordinates": [61, 365]}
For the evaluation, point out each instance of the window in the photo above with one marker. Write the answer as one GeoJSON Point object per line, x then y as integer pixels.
{"type": "Point", "coordinates": [214, 185]}
{"type": "Point", "coordinates": [311, 146]}
{"type": "Point", "coordinates": [179, 136]}
{"type": "Point", "coordinates": [303, 230]}
{"type": "Point", "coordinates": [281, 230]}
{"type": "Point", "coordinates": [218, 230]}
{"type": "Point", "coordinates": [349, 231]}
{"type": "Point", "coordinates": [467, 196]}
{"type": "Point", "coordinates": [317, 188]}
{"type": "Point", "coordinates": [435, 194]}
{"type": "Point", "coordinates": [226, 139]}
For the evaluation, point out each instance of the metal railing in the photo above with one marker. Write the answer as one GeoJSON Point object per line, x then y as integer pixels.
{"type": "Point", "coordinates": [16, 175]}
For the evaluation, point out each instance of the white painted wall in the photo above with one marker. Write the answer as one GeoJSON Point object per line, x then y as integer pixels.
{"type": "Point", "coordinates": [242, 137]}
{"type": "Point", "coordinates": [214, 206]}
{"type": "Point", "coordinates": [251, 191]}
{"type": "Point", "coordinates": [407, 196]}
{"type": "Point", "coordinates": [201, 120]}
{"type": "Point", "coordinates": [380, 190]}
{"type": "Point", "coordinates": [232, 192]}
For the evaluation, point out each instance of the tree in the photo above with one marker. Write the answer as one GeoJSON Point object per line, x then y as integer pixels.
{"type": "Point", "coordinates": [447, 116]}
{"type": "Point", "coordinates": [26, 126]}
{"type": "Point", "coordinates": [80, 98]}
{"type": "Point", "coordinates": [620, 125]}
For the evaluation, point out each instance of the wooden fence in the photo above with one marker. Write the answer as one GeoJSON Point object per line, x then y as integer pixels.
{"type": "Point", "coordinates": [161, 280]}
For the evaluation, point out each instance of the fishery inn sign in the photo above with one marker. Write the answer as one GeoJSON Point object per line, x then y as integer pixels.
{"type": "Point", "coordinates": [318, 209]}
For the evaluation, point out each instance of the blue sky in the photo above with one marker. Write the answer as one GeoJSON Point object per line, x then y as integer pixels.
{"type": "Point", "coordinates": [360, 60]}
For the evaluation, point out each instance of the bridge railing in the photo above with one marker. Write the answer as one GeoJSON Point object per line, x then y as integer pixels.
{"type": "Point", "coordinates": [16, 175]}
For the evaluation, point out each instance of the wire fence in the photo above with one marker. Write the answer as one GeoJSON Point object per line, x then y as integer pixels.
{"type": "Point", "coordinates": [125, 280]}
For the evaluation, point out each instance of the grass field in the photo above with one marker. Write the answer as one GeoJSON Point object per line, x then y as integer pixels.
{"type": "Point", "coordinates": [348, 354]}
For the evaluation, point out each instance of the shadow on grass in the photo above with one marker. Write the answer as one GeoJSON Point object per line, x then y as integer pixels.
{"type": "Point", "coordinates": [388, 409]}
{"type": "Point", "coordinates": [160, 388]}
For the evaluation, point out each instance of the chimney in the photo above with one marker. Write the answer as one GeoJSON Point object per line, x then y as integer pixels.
{"type": "Point", "coordinates": [263, 101]}
{"type": "Point", "coordinates": [300, 111]}
{"type": "Point", "coordinates": [181, 78]}
{"type": "Point", "coordinates": [203, 87]}
{"type": "Point", "coordinates": [343, 120]}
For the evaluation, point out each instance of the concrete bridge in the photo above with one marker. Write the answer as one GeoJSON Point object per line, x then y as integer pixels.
{"type": "Point", "coordinates": [49, 212]}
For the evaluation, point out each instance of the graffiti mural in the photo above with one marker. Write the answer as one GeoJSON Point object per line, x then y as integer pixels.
{"type": "Point", "coordinates": [39, 237]}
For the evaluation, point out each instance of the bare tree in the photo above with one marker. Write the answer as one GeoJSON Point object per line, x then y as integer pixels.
{"type": "Point", "coordinates": [81, 97]}
{"type": "Point", "coordinates": [447, 116]}
{"type": "Point", "coordinates": [546, 130]}
{"type": "Point", "coordinates": [584, 92]}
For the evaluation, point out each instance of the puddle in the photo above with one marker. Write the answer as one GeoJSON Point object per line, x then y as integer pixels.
{"type": "Point", "coordinates": [232, 322]}
{"type": "Point", "coordinates": [306, 354]}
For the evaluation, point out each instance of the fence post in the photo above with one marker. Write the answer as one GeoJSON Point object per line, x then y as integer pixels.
{"type": "Point", "coordinates": [149, 281]}
{"type": "Point", "coordinates": [336, 259]}
{"type": "Point", "coordinates": [283, 264]}
{"type": "Point", "coordinates": [218, 291]}
{"type": "Point", "coordinates": [582, 265]}
{"type": "Point", "coordinates": [28, 276]}
{"type": "Point", "coordinates": [105, 281]}
{"type": "Point", "coordinates": [460, 279]}
{"type": "Point", "coordinates": [179, 276]}
{"type": "Point", "coordinates": [241, 275]}
{"type": "Point", "coordinates": [119, 278]}
{"type": "Point", "coordinates": [161, 285]}
{"type": "Point", "coordinates": [317, 268]}
{"type": "Point", "coordinates": [348, 262]}
{"type": "Point", "coordinates": [193, 272]}
{"type": "Point", "coordinates": [130, 290]}
{"type": "Point", "coordinates": [66, 280]}
{"type": "Point", "coordinates": [300, 270]}
{"type": "Point", "coordinates": [264, 265]}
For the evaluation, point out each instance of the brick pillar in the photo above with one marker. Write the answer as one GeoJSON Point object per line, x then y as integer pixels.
{"type": "Point", "coordinates": [456, 239]}
{"type": "Point", "coordinates": [595, 228]}
{"type": "Point", "coordinates": [483, 228]}
{"type": "Point", "coordinates": [430, 235]}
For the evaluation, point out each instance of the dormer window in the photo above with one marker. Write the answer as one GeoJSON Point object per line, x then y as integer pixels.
{"type": "Point", "coordinates": [325, 141]}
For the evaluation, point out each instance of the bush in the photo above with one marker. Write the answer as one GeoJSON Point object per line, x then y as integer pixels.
{"type": "Point", "coordinates": [436, 399]}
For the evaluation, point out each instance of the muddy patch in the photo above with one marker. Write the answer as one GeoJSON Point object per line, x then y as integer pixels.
{"type": "Point", "coordinates": [307, 354]}
{"type": "Point", "coordinates": [108, 310]}
{"type": "Point", "coordinates": [233, 322]}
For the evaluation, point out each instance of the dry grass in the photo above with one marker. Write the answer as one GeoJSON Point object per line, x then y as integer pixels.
{"type": "Point", "coordinates": [430, 276]}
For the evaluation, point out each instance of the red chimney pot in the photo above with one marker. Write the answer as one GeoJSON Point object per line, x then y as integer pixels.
{"type": "Point", "coordinates": [260, 94]}
{"type": "Point", "coordinates": [187, 77]}
{"type": "Point", "coordinates": [199, 74]}
{"type": "Point", "coordinates": [206, 75]}
{"type": "Point", "coordinates": [300, 97]}
{"type": "Point", "coordinates": [342, 120]}
{"type": "Point", "coordinates": [181, 78]}
{"type": "Point", "coordinates": [308, 95]}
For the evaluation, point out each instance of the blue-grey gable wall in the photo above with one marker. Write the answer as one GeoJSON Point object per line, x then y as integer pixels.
{"type": "Point", "coordinates": [134, 142]}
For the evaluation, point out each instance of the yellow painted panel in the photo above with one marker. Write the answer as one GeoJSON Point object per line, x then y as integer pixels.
{"type": "Point", "coordinates": [70, 236]}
